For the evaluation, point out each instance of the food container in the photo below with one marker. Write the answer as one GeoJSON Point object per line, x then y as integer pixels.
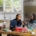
{"type": "Point", "coordinates": [20, 29]}
{"type": "Point", "coordinates": [33, 33]}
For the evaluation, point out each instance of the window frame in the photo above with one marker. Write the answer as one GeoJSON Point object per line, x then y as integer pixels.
{"type": "Point", "coordinates": [12, 6]}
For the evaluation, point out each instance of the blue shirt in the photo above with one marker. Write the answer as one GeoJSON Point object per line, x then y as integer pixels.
{"type": "Point", "coordinates": [15, 23]}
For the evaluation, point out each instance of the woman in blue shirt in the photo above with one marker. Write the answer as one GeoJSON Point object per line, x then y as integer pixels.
{"type": "Point", "coordinates": [15, 22]}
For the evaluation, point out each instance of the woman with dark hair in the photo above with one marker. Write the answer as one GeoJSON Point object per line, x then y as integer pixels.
{"type": "Point", "coordinates": [32, 18]}
{"type": "Point", "coordinates": [18, 20]}
{"type": "Point", "coordinates": [32, 22]}
{"type": "Point", "coordinates": [15, 22]}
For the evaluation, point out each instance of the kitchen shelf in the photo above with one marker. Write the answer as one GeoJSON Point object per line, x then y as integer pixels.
{"type": "Point", "coordinates": [10, 12]}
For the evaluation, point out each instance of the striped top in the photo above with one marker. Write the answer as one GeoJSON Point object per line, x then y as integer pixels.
{"type": "Point", "coordinates": [32, 25]}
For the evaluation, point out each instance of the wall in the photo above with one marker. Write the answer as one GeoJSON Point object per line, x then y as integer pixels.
{"type": "Point", "coordinates": [30, 3]}
{"type": "Point", "coordinates": [30, 8]}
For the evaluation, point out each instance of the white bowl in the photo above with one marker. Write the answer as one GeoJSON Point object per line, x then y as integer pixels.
{"type": "Point", "coordinates": [33, 33]}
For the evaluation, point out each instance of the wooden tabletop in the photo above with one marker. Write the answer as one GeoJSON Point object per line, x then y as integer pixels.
{"type": "Point", "coordinates": [15, 33]}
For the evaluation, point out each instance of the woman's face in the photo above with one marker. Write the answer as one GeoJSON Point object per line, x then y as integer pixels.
{"type": "Point", "coordinates": [19, 17]}
{"type": "Point", "coordinates": [31, 16]}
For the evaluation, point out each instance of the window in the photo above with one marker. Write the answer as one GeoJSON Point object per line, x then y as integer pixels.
{"type": "Point", "coordinates": [8, 2]}
{"type": "Point", "coordinates": [9, 5]}
{"type": "Point", "coordinates": [1, 5]}
{"type": "Point", "coordinates": [1, 2]}
{"type": "Point", "coordinates": [17, 5]}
